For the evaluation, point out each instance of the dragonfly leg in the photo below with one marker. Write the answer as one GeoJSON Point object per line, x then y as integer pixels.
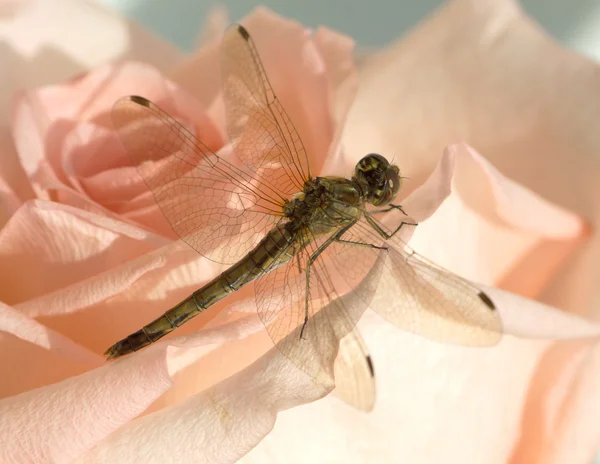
{"type": "Point", "coordinates": [306, 299]}
{"type": "Point", "coordinates": [334, 238]}
{"type": "Point", "coordinates": [370, 245]}
{"type": "Point", "coordinates": [382, 232]}
{"type": "Point", "coordinates": [388, 209]}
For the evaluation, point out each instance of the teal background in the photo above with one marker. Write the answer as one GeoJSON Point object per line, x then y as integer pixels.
{"type": "Point", "coordinates": [371, 23]}
{"type": "Point", "coordinates": [376, 22]}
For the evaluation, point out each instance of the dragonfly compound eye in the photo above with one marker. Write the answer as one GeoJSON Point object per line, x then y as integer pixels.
{"type": "Point", "coordinates": [372, 162]}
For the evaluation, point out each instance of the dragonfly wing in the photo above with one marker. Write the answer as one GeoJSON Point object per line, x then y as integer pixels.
{"type": "Point", "coordinates": [415, 294]}
{"type": "Point", "coordinates": [281, 297]}
{"type": "Point", "coordinates": [438, 304]}
{"type": "Point", "coordinates": [262, 133]}
{"type": "Point", "coordinates": [218, 209]}
{"type": "Point", "coordinates": [355, 373]}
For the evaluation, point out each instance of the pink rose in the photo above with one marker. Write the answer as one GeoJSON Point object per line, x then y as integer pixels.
{"type": "Point", "coordinates": [87, 258]}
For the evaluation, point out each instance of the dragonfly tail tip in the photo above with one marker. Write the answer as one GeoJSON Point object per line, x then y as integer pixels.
{"type": "Point", "coordinates": [111, 353]}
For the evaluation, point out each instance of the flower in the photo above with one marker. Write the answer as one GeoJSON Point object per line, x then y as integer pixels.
{"type": "Point", "coordinates": [87, 258]}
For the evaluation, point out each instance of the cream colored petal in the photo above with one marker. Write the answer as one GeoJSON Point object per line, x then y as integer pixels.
{"type": "Point", "coordinates": [489, 228]}
{"type": "Point", "coordinates": [484, 73]}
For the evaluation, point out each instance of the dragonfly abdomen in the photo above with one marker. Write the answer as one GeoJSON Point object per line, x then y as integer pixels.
{"type": "Point", "coordinates": [272, 251]}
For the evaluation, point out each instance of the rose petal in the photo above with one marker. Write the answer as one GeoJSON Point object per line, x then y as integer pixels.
{"type": "Point", "coordinates": [215, 24]}
{"type": "Point", "coordinates": [54, 112]}
{"type": "Point", "coordinates": [523, 237]}
{"type": "Point", "coordinates": [204, 62]}
{"type": "Point", "coordinates": [38, 252]}
{"type": "Point", "coordinates": [67, 142]}
{"type": "Point", "coordinates": [452, 403]}
{"type": "Point", "coordinates": [14, 187]}
{"type": "Point", "coordinates": [35, 355]}
{"type": "Point", "coordinates": [221, 424]}
{"type": "Point", "coordinates": [46, 43]}
{"type": "Point", "coordinates": [571, 440]}
{"type": "Point", "coordinates": [59, 422]}
{"type": "Point", "coordinates": [224, 422]}
{"type": "Point", "coordinates": [337, 52]}
{"type": "Point", "coordinates": [74, 294]}
{"type": "Point", "coordinates": [216, 426]}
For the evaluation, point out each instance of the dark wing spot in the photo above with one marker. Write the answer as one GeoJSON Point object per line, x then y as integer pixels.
{"type": "Point", "coordinates": [370, 364]}
{"type": "Point", "coordinates": [487, 300]}
{"type": "Point", "coordinates": [139, 100]}
{"type": "Point", "coordinates": [243, 32]}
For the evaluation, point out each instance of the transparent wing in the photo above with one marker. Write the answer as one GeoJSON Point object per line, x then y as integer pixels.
{"type": "Point", "coordinates": [414, 293]}
{"type": "Point", "coordinates": [281, 298]}
{"type": "Point", "coordinates": [220, 210]}
{"type": "Point", "coordinates": [354, 373]}
{"type": "Point", "coordinates": [259, 128]}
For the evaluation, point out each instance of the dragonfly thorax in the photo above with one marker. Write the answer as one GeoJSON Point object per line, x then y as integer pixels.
{"type": "Point", "coordinates": [324, 203]}
{"type": "Point", "coordinates": [302, 204]}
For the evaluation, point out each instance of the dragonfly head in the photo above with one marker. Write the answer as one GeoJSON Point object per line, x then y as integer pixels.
{"type": "Point", "coordinates": [378, 179]}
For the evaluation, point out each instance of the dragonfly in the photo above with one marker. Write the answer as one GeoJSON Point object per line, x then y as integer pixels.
{"type": "Point", "coordinates": [318, 250]}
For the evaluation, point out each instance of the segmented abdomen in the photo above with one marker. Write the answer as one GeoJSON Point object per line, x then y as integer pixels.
{"type": "Point", "coordinates": [275, 249]}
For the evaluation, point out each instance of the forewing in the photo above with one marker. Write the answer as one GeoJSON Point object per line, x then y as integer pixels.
{"type": "Point", "coordinates": [416, 294]}
{"type": "Point", "coordinates": [262, 133]}
{"type": "Point", "coordinates": [281, 297]}
{"type": "Point", "coordinates": [220, 210]}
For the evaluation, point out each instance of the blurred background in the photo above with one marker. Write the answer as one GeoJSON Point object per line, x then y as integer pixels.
{"type": "Point", "coordinates": [371, 23]}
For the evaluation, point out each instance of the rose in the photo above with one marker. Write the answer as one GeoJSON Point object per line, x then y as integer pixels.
{"type": "Point", "coordinates": [114, 394]}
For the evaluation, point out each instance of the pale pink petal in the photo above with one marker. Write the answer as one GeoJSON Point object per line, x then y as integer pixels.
{"type": "Point", "coordinates": [116, 279]}
{"type": "Point", "coordinates": [337, 51]}
{"type": "Point", "coordinates": [575, 436]}
{"type": "Point", "coordinates": [219, 425]}
{"type": "Point", "coordinates": [38, 255]}
{"type": "Point", "coordinates": [484, 72]}
{"type": "Point", "coordinates": [70, 292]}
{"type": "Point", "coordinates": [10, 7]}
{"type": "Point", "coordinates": [14, 187]}
{"type": "Point", "coordinates": [33, 355]}
{"type": "Point", "coordinates": [47, 42]}
{"type": "Point", "coordinates": [59, 422]}
{"type": "Point", "coordinates": [489, 228]}
{"type": "Point", "coordinates": [437, 403]}
{"type": "Point", "coordinates": [224, 422]}
{"type": "Point", "coordinates": [215, 24]}
{"type": "Point", "coordinates": [200, 75]}
{"type": "Point", "coordinates": [69, 147]}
